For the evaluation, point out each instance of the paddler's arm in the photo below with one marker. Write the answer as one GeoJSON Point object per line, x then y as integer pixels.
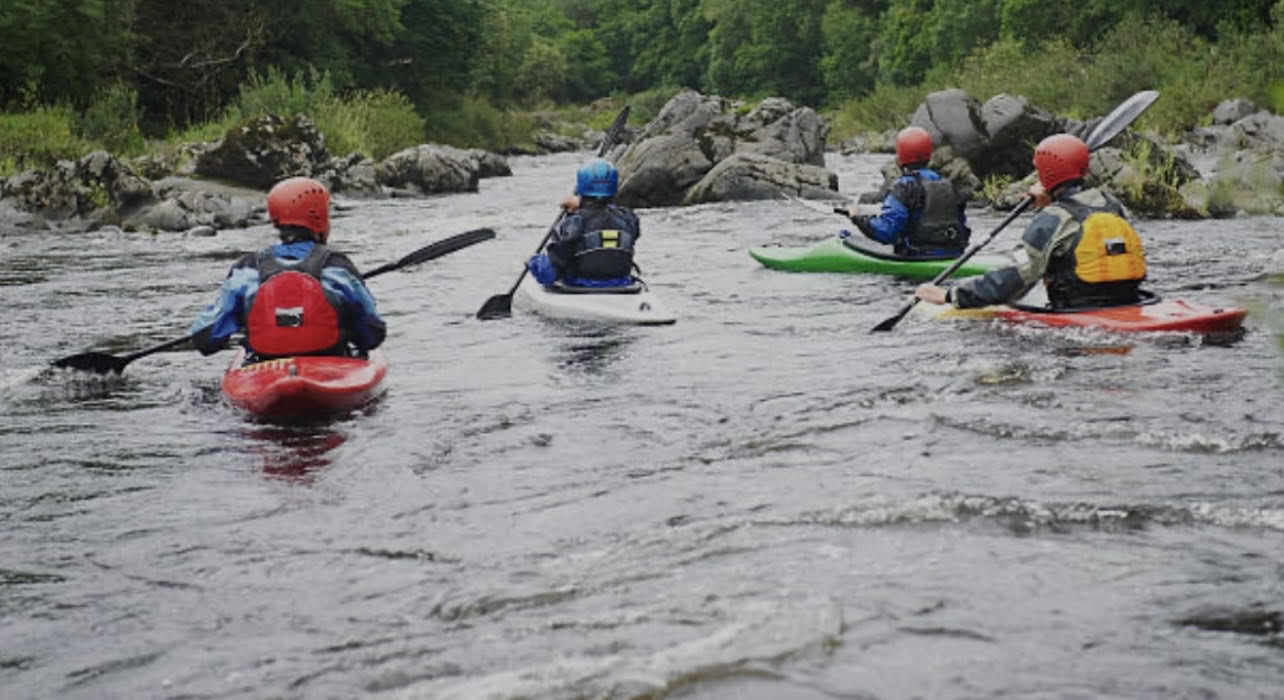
{"type": "Point", "coordinates": [216, 323]}
{"type": "Point", "coordinates": [1006, 283]}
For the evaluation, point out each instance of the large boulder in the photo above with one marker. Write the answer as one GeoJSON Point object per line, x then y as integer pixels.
{"type": "Point", "coordinates": [1231, 111]}
{"type": "Point", "coordinates": [430, 169]}
{"type": "Point", "coordinates": [693, 133]}
{"type": "Point", "coordinates": [952, 117]}
{"type": "Point", "coordinates": [1013, 127]}
{"type": "Point", "coordinates": [755, 176]}
{"type": "Point", "coordinates": [265, 149]}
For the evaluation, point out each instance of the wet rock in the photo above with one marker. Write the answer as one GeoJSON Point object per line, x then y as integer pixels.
{"type": "Point", "coordinates": [870, 142]}
{"type": "Point", "coordinates": [1231, 111]}
{"type": "Point", "coordinates": [202, 232]}
{"type": "Point", "coordinates": [552, 142]}
{"type": "Point", "coordinates": [354, 175]}
{"type": "Point", "coordinates": [79, 195]}
{"type": "Point", "coordinates": [746, 176]}
{"type": "Point", "coordinates": [179, 160]}
{"type": "Point", "coordinates": [490, 164]}
{"type": "Point", "coordinates": [430, 169]}
{"type": "Point", "coordinates": [265, 149]}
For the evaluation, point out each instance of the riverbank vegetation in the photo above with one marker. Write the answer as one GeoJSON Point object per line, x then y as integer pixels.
{"type": "Point", "coordinates": [378, 75]}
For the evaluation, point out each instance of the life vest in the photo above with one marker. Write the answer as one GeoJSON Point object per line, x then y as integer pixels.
{"type": "Point", "coordinates": [604, 248]}
{"type": "Point", "coordinates": [292, 314]}
{"type": "Point", "coordinates": [1105, 263]}
{"type": "Point", "coordinates": [937, 226]}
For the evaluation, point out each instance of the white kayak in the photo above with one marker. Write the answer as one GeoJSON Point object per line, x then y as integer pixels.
{"type": "Point", "coordinates": [635, 304]}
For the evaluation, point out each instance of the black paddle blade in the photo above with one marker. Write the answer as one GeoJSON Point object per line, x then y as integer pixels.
{"type": "Point", "coordinates": [496, 307]}
{"type": "Point", "coordinates": [436, 250]}
{"type": "Point", "coordinates": [98, 362]}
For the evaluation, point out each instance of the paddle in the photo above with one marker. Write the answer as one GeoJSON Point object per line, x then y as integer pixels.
{"type": "Point", "coordinates": [1105, 130]}
{"type": "Point", "coordinates": [102, 363]}
{"type": "Point", "coordinates": [501, 305]}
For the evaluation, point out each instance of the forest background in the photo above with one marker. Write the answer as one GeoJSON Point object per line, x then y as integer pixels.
{"type": "Point", "coordinates": [380, 75]}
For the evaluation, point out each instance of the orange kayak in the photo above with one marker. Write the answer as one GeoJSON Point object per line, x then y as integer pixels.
{"type": "Point", "coordinates": [303, 388]}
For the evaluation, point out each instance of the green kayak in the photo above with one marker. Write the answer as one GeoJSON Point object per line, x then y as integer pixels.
{"type": "Point", "coordinates": [845, 255]}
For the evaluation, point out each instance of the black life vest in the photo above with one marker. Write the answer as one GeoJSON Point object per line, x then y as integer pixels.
{"type": "Point", "coordinates": [1105, 263]}
{"type": "Point", "coordinates": [937, 226]}
{"type": "Point", "coordinates": [292, 313]}
{"type": "Point", "coordinates": [601, 244]}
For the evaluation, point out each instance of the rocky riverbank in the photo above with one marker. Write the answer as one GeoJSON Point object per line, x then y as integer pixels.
{"type": "Point", "coordinates": [699, 148]}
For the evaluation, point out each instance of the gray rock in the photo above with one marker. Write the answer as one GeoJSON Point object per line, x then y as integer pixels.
{"type": "Point", "coordinates": [202, 232]}
{"type": "Point", "coordinates": [953, 118]}
{"type": "Point", "coordinates": [1231, 111]}
{"type": "Point", "coordinates": [551, 142]}
{"type": "Point", "coordinates": [430, 169]}
{"type": "Point", "coordinates": [491, 164]}
{"type": "Point", "coordinates": [1014, 127]}
{"type": "Point", "coordinates": [265, 149]}
{"type": "Point", "coordinates": [693, 133]}
{"type": "Point", "coordinates": [746, 176]}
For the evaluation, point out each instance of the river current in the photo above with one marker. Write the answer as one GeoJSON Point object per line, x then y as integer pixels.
{"type": "Point", "coordinates": [763, 501]}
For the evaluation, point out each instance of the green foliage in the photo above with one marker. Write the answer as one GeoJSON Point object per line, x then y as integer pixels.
{"type": "Point", "coordinates": [38, 139]}
{"type": "Point", "coordinates": [112, 120]}
{"type": "Point", "coordinates": [376, 123]}
{"type": "Point", "coordinates": [885, 107]}
{"type": "Point", "coordinates": [475, 122]}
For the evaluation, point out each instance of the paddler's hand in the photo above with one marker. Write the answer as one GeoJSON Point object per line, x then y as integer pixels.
{"type": "Point", "coordinates": [1040, 195]}
{"type": "Point", "coordinates": [570, 203]}
{"type": "Point", "coordinates": [932, 294]}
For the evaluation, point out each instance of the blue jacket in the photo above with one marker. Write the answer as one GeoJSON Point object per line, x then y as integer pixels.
{"type": "Point", "coordinates": [218, 321]}
{"type": "Point", "coordinates": [895, 215]}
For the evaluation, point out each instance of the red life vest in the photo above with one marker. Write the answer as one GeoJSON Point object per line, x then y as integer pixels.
{"type": "Point", "coordinates": [291, 313]}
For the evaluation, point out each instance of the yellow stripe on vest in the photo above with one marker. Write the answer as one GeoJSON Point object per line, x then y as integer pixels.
{"type": "Point", "coordinates": [1109, 250]}
{"type": "Point", "coordinates": [610, 238]}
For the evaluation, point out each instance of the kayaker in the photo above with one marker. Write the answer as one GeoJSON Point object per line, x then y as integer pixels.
{"type": "Point", "coordinates": [593, 245]}
{"type": "Point", "coordinates": [297, 297]}
{"type": "Point", "coordinates": [922, 215]}
{"type": "Point", "coordinates": [1080, 244]}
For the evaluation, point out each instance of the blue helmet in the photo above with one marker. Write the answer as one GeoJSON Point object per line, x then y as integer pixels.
{"type": "Point", "coordinates": [597, 178]}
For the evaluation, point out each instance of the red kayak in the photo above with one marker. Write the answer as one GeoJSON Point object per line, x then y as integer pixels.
{"type": "Point", "coordinates": [1159, 315]}
{"type": "Point", "coordinates": [1154, 314]}
{"type": "Point", "coordinates": [305, 387]}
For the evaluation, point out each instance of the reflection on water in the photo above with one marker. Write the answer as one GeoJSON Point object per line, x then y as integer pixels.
{"type": "Point", "coordinates": [293, 453]}
{"type": "Point", "coordinates": [592, 350]}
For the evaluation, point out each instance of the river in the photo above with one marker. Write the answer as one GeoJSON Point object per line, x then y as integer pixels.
{"type": "Point", "coordinates": [763, 501]}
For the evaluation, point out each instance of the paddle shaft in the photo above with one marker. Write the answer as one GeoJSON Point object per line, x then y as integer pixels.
{"type": "Point", "coordinates": [967, 255]}
{"type": "Point", "coordinates": [104, 362]}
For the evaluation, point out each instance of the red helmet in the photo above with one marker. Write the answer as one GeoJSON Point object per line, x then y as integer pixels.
{"type": "Point", "coordinates": [913, 146]}
{"type": "Point", "coordinates": [303, 202]}
{"type": "Point", "coordinates": [1060, 158]}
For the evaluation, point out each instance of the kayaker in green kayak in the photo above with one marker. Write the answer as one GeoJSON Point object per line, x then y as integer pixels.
{"type": "Point", "coordinates": [593, 245]}
{"type": "Point", "coordinates": [297, 297]}
{"type": "Point", "coordinates": [922, 214]}
{"type": "Point", "coordinates": [1080, 244]}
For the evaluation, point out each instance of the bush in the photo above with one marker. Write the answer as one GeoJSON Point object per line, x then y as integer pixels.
{"type": "Point", "coordinates": [112, 120]}
{"type": "Point", "coordinates": [473, 122]}
{"type": "Point", "coordinates": [39, 138]}
{"type": "Point", "coordinates": [886, 107]}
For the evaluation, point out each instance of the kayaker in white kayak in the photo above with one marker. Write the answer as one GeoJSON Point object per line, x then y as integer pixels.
{"type": "Point", "coordinates": [297, 297]}
{"type": "Point", "coordinates": [922, 214]}
{"type": "Point", "coordinates": [592, 246]}
{"type": "Point", "coordinates": [1081, 244]}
